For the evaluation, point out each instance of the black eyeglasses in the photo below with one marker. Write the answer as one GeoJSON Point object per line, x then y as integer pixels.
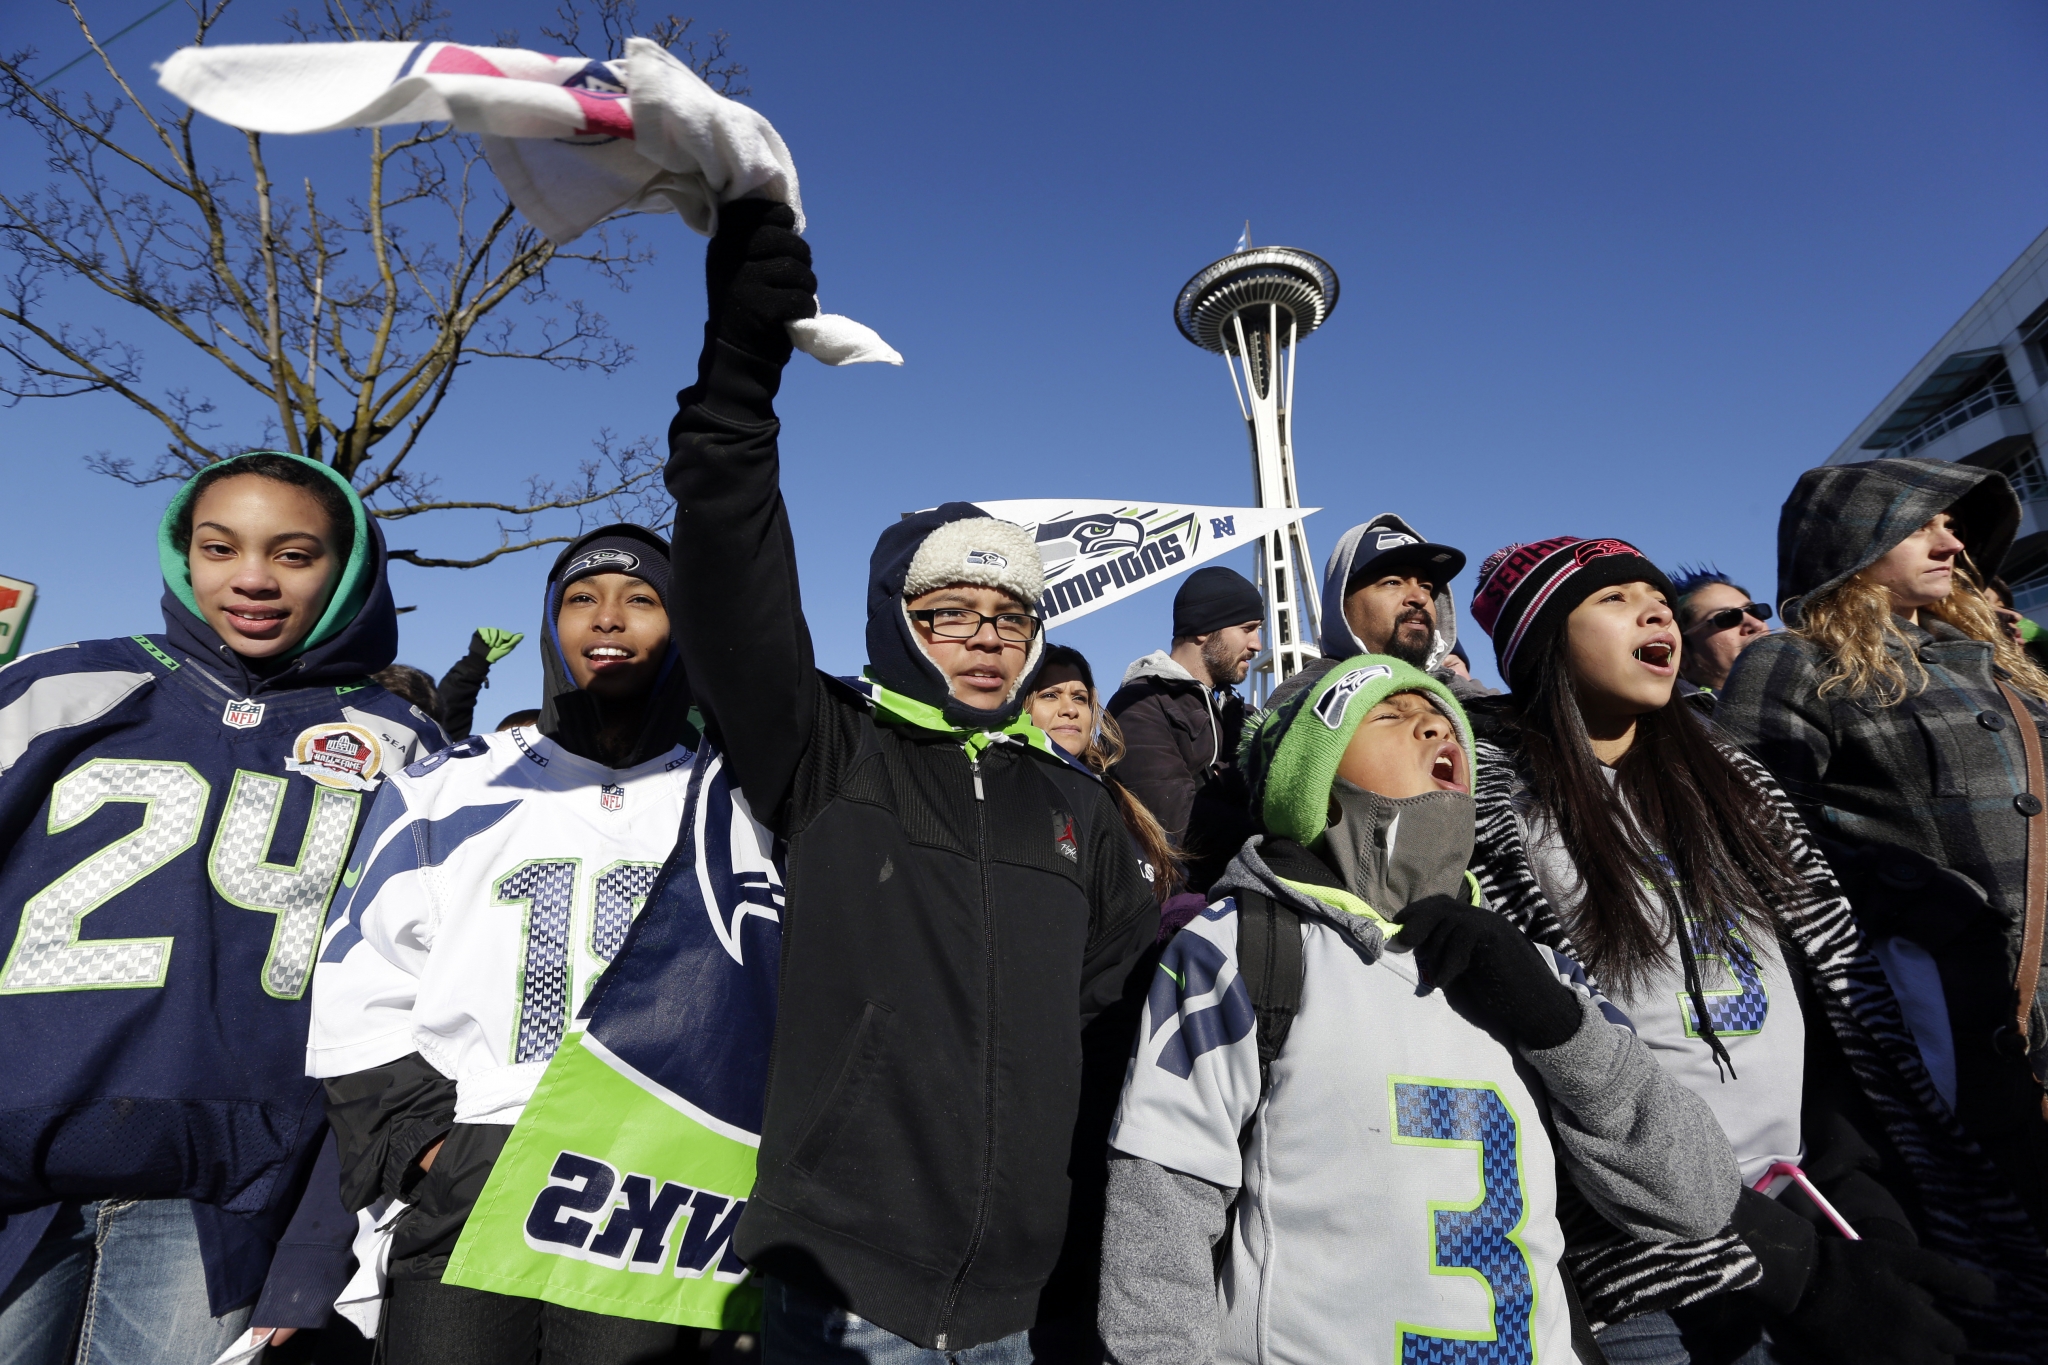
{"type": "Point", "coordinates": [1730, 616]}
{"type": "Point", "coordinates": [958, 623]}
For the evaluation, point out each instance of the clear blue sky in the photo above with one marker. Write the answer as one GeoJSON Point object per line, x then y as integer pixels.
{"type": "Point", "coordinates": [1608, 269]}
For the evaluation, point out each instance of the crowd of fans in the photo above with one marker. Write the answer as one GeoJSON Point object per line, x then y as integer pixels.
{"type": "Point", "coordinates": [1681, 1002]}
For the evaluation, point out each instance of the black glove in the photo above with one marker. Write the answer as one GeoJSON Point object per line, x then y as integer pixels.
{"type": "Point", "coordinates": [1489, 971]}
{"type": "Point", "coordinates": [757, 278]}
{"type": "Point", "coordinates": [1872, 1303]}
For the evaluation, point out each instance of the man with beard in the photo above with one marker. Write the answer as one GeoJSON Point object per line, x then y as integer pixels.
{"type": "Point", "coordinates": [1386, 590]}
{"type": "Point", "coordinates": [1181, 719]}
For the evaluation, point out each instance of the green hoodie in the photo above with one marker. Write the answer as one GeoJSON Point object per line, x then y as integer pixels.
{"type": "Point", "coordinates": [911, 711]}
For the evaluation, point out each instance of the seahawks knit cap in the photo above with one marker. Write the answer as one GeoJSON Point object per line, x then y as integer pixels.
{"type": "Point", "coordinates": [1290, 761]}
{"type": "Point", "coordinates": [620, 548]}
{"type": "Point", "coordinates": [1525, 592]}
{"type": "Point", "coordinates": [981, 551]}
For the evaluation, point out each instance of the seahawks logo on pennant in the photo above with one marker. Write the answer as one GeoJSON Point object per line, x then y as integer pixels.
{"type": "Point", "coordinates": [242, 715]}
{"type": "Point", "coordinates": [1335, 702]}
{"type": "Point", "coordinates": [339, 755]}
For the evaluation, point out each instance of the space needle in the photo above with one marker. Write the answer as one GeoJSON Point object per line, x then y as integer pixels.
{"type": "Point", "coordinates": [1253, 307]}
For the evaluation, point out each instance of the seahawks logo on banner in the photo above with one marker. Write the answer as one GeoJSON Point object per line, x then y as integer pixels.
{"type": "Point", "coordinates": [1098, 551]}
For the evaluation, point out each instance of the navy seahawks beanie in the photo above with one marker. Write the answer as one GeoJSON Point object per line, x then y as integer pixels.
{"type": "Point", "coordinates": [622, 548]}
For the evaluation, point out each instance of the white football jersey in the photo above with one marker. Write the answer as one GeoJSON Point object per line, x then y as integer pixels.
{"type": "Point", "coordinates": [491, 885]}
{"type": "Point", "coordinates": [1399, 1187]}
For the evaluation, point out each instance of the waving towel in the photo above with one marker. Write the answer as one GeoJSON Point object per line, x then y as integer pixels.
{"type": "Point", "coordinates": [573, 141]}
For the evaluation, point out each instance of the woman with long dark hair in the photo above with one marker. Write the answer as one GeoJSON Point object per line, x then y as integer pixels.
{"type": "Point", "coordinates": [1614, 828]}
{"type": "Point", "coordinates": [1063, 702]}
{"type": "Point", "coordinates": [1881, 710]}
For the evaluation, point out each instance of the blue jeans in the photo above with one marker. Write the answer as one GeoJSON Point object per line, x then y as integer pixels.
{"type": "Point", "coordinates": [113, 1283]}
{"type": "Point", "coordinates": [797, 1329]}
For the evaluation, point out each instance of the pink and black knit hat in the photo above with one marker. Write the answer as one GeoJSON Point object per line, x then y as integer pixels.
{"type": "Point", "coordinates": [1526, 591]}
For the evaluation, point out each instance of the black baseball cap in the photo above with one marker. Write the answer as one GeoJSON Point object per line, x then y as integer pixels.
{"type": "Point", "coordinates": [1388, 548]}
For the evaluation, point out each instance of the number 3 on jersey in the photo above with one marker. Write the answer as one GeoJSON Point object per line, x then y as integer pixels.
{"type": "Point", "coordinates": [1736, 1012]}
{"type": "Point", "coordinates": [1480, 1239]}
{"type": "Point", "coordinates": [49, 953]}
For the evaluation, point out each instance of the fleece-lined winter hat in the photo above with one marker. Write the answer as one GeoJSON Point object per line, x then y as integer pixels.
{"type": "Point", "coordinates": [1212, 598]}
{"type": "Point", "coordinates": [1291, 760]}
{"type": "Point", "coordinates": [982, 551]}
{"type": "Point", "coordinates": [622, 548]}
{"type": "Point", "coordinates": [953, 543]}
{"type": "Point", "coordinates": [1526, 591]}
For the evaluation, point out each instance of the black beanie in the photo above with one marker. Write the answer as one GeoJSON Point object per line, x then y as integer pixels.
{"type": "Point", "coordinates": [1213, 598]}
{"type": "Point", "coordinates": [625, 549]}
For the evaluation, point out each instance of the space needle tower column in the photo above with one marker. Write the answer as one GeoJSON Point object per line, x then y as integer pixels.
{"type": "Point", "coordinates": [1253, 307]}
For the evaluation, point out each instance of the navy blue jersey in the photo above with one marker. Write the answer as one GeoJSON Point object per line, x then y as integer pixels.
{"type": "Point", "coordinates": [170, 850]}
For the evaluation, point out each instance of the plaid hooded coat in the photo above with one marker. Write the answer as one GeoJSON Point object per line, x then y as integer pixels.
{"type": "Point", "coordinates": [1918, 805]}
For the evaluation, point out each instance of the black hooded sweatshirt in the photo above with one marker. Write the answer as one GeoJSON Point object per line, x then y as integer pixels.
{"type": "Point", "coordinates": [961, 905]}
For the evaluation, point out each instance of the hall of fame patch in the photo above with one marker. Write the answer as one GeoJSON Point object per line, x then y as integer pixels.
{"type": "Point", "coordinates": [338, 754]}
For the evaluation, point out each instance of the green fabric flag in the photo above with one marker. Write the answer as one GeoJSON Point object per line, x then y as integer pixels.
{"type": "Point", "coordinates": [627, 1172]}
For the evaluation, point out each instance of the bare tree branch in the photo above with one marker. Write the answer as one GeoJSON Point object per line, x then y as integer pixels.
{"type": "Point", "coordinates": [338, 320]}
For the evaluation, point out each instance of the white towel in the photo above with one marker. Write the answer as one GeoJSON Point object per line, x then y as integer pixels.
{"type": "Point", "coordinates": [246, 1348]}
{"type": "Point", "coordinates": [573, 141]}
{"type": "Point", "coordinates": [498, 1095]}
{"type": "Point", "coordinates": [362, 1299]}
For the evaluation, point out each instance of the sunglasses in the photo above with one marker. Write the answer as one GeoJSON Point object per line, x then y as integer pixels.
{"type": "Point", "coordinates": [1730, 616]}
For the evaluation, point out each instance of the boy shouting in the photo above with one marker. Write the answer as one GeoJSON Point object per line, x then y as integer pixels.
{"type": "Point", "coordinates": [1379, 1075]}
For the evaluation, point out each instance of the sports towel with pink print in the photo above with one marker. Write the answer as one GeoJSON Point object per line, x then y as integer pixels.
{"type": "Point", "coordinates": [572, 140]}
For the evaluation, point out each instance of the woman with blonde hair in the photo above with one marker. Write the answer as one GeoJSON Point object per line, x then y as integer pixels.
{"type": "Point", "coordinates": [1894, 711]}
{"type": "Point", "coordinates": [1064, 703]}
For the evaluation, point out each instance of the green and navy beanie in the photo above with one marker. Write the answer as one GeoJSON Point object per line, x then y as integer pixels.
{"type": "Point", "coordinates": [1290, 760]}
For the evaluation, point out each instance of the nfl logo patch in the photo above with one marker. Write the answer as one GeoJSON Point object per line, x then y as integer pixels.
{"type": "Point", "coordinates": [242, 715]}
{"type": "Point", "coordinates": [610, 797]}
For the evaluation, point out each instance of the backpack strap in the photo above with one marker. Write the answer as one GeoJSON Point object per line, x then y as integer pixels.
{"type": "Point", "coordinates": [1269, 961]}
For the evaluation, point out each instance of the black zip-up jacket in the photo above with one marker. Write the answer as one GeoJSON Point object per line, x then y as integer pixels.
{"type": "Point", "coordinates": [952, 925]}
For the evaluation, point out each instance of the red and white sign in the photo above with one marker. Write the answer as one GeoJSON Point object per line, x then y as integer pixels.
{"type": "Point", "coordinates": [17, 600]}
